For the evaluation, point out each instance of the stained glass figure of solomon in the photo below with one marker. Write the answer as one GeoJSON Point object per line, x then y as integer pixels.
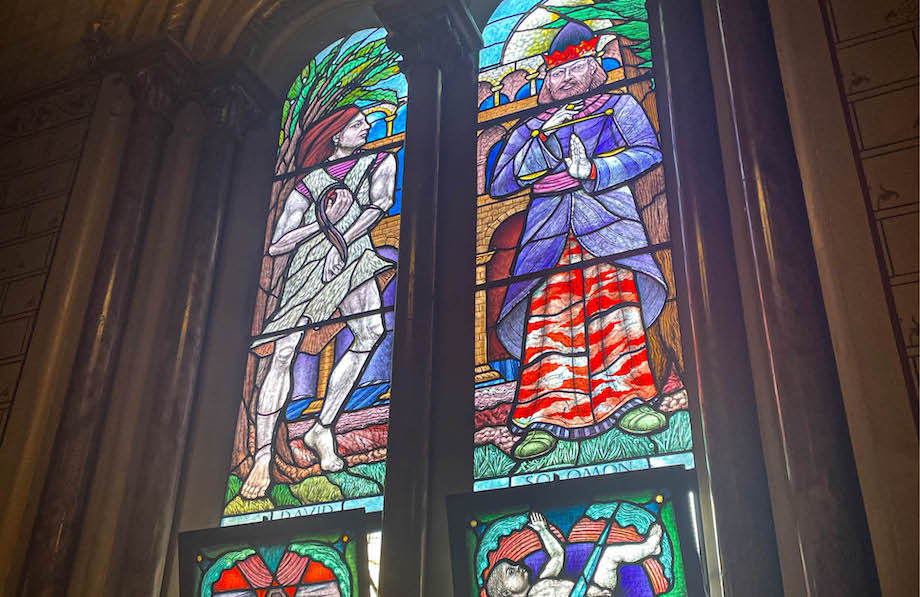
{"type": "Point", "coordinates": [578, 354]}
{"type": "Point", "coordinates": [312, 427]}
{"type": "Point", "coordinates": [319, 557]}
{"type": "Point", "coordinates": [632, 540]}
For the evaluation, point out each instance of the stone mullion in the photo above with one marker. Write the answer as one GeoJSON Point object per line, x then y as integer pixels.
{"type": "Point", "coordinates": [408, 463]}
{"type": "Point", "coordinates": [155, 84]}
{"type": "Point", "coordinates": [455, 335]}
{"type": "Point", "coordinates": [431, 42]}
{"type": "Point", "coordinates": [406, 494]}
{"type": "Point", "coordinates": [146, 523]}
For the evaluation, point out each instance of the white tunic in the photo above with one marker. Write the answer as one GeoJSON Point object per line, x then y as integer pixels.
{"type": "Point", "coordinates": [305, 298]}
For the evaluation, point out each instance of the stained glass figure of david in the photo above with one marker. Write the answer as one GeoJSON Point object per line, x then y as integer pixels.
{"type": "Point", "coordinates": [580, 332]}
{"type": "Point", "coordinates": [324, 230]}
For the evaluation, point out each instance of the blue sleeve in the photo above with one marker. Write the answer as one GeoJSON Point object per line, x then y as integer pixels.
{"type": "Point", "coordinates": [638, 152]}
{"type": "Point", "coordinates": [527, 157]}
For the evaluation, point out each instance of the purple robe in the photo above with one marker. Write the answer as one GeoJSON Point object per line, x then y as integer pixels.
{"type": "Point", "coordinates": [600, 212]}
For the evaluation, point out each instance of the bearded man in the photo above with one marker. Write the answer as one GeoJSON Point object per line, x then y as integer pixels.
{"type": "Point", "coordinates": [580, 333]}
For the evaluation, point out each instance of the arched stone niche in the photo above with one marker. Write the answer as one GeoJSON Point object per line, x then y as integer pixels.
{"type": "Point", "coordinates": [276, 55]}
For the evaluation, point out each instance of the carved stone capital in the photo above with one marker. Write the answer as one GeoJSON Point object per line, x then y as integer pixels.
{"type": "Point", "coordinates": [157, 89]}
{"type": "Point", "coordinates": [96, 43]}
{"type": "Point", "coordinates": [158, 76]}
{"type": "Point", "coordinates": [98, 40]}
{"type": "Point", "coordinates": [233, 98]}
{"type": "Point", "coordinates": [231, 108]}
{"type": "Point", "coordinates": [442, 33]}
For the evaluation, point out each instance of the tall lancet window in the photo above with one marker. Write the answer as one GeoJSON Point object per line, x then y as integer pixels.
{"type": "Point", "coordinates": [579, 362]}
{"type": "Point", "coordinates": [311, 433]}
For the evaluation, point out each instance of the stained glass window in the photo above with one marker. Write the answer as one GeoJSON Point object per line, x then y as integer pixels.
{"type": "Point", "coordinates": [636, 540]}
{"type": "Point", "coordinates": [277, 560]}
{"type": "Point", "coordinates": [579, 366]}
{"type": "Point", "coordinates": [311, 433]}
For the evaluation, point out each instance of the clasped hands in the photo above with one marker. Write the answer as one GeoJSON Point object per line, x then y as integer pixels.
{"type": "Point", "coordinates": [578, 164]}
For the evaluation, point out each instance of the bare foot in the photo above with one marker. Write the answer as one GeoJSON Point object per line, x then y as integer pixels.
{"type": "Point", "coordinates": [319, 439]}
{"type": "Point", "coordinates": [258, 478]}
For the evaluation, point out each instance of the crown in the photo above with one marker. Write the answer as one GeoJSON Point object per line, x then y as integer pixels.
{"type": "Point", "coordinates": [584, 48]}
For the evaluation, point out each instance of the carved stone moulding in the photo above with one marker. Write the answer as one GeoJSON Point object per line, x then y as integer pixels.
{"type": "Point", "coordinates": [162, 77]}
{"type": "Point", "coordinates": [48, 107]}
{"type": "Point", "coordinates": [232, 96]}
{"type": "Point", "coordinates": [159, 74]}
{"type": "Point", "coordinates": [442, 32]}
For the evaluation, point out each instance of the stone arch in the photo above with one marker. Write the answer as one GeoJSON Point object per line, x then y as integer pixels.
{"type": "Point", "coordinates": [513, 82]}
{"type": "Point", "coordinates": [484, 144]}
{"type": "Point", "coordinates": [276, 47]}
{"type": "Point", "coordinates": [484, 92]}
{"type": "Point", "coordinates": [490, 217]}
{"type": "Point", "coordinates": [503, 246]}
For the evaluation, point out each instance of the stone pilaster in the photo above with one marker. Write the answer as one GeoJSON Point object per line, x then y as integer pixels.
{"type": "Point", "coordinates": [452, 393]}
{"type": "Point", "coordinates": [734, 492]}
{"type": "Point", "coordinates": [820, 519]}
{"type": "Point", "coordinates": [232, 100]}
{"type": "Point", "coordinates": [156, 77]}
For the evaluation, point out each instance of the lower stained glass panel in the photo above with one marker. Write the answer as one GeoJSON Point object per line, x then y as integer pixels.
{"type": "Point", "coordinates": [324, 558]}
{"type": "Point", "coordinates": [637, 541]}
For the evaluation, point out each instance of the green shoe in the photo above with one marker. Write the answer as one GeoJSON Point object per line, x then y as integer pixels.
{"type": "Point", "coordinates": [643, 420]}
{"type": "Point", "coordinates": [534, 445]}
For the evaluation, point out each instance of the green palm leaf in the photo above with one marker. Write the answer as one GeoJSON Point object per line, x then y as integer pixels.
{"type": "Point", "coordinates": [345, 69]}
{"type": "Point", "coordinates": [343, 76]}
{"type": "Point", "coordinates": [372, 49]}
{"type": "Point", "coordinates": [383, 96]}
{"type": "Point", "coordinates": [380, 73]}
{"type": "Point", "coordinates": [328, 557]}
{"type": "Point", "coordinates": [225, 562]}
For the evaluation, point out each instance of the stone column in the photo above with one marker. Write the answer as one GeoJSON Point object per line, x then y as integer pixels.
{"type": "Point", "coordinates": [406, 492]}
{"type": "Point", "coordinates": [452, 391]}
{"type": "Point", "coordinates": [231, 99]}
{"type": "Point", "coordinates": [425, 39]}
{"type": "Point", "coordinates": [820, 521]}
{"type": "Point", "coordinates": [156, 77]}
{"type": "Point", "coordinates": [532, 82]}
{"type": "Point", "coordinates": [734, 499]}
{"type": "Point", "coordinates": [496, 94]}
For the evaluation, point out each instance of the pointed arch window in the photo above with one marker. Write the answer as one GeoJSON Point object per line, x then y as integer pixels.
{"type": "Point", "coordinates": [311, 433]}
{"type": "Point", "coordinates": [578, 354]}
{"type": "Point", "coordinates": [579, 364]}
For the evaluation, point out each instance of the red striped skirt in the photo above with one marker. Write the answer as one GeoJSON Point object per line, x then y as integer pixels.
{"type": "Point", "coordinates": [585, 362]}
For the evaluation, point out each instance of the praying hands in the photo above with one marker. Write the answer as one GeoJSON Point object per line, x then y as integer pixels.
{"type": "Point", "coordinates": [579, 165]}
